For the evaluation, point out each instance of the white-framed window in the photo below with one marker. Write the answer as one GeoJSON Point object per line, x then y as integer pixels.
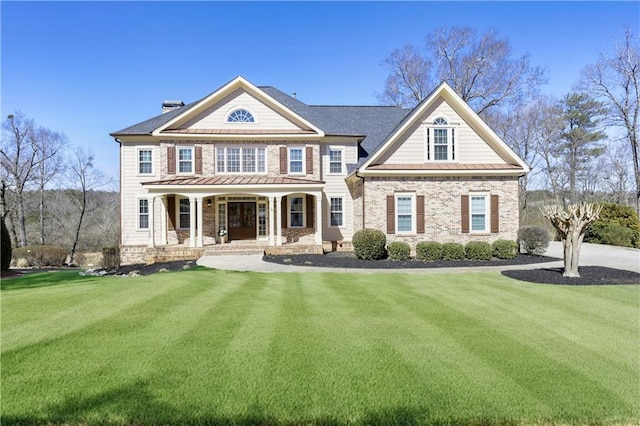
{"type": "Point", "coordinates": [240, 115]}
{"type": "Point", "coordinates": [185, 160]}
{"type": "Point", "coordinates": [143, 213]}
{"type": "Point", "coordinates": [405, 213]}
{"type": "Point", "coordinates": [145, 161]}
{"type": "Point", "coordinates": [241, 160]}
{"type": "Point", "coordinates": [336, 158]}
{"type": "Point", "coordinates": [296, 160]}
{"type": "Point", "coordinates": [441, 141]}
{"type": "Point", "coordinates": [336, 211]}
{"type": "Point", "coordinates": [262, 219]}
{"type": "Point", "coordinates": [479, 213]}
{"type": "Point", "coordinates": [184, 213]}
{"type": "Point", "coordinates": [296, 211]}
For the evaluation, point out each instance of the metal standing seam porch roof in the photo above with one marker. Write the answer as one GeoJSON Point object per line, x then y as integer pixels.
{"type": "Point", "coordinates": [235, 180]}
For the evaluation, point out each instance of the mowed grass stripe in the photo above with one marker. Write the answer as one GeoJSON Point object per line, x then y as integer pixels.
{"type": "Point", "coordinates": [513, 353]}
{"type": "Point", "coordinates": [224, 347]}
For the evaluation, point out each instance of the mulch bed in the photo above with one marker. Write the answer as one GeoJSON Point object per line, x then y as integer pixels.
{"type": "Point", "coordinates": [141, 269]}
{"type": "Point", "coordinates": [589, 275]}
{"type": "Point", "coordinates": [348, 260]}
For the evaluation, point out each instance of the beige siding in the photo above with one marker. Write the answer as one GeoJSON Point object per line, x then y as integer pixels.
{"type": "Point", "coordinates": [131, 191]}
{"type": "Point", "coordinates": [336, 186]}
{"type": "Point", "coordinates": [215, 116]}
{"type": "Point", "coordinates": [470, 147]}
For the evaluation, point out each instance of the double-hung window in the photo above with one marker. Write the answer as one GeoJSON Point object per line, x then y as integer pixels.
{"type": "Point", "coordinates": [296, 163]}
{"type": "Point", "coordinates": [479, 213]}
{"type": "Point", "coordinates": [238, 160]}
{"type": "Point", "coordinates": [405, 213]}
{"type": "Point", "coordinates": [335, 161]}
{"type": "Point", "coordinates": [184, 213]}
{"type": "Point", "coordinates": [143, 213]}
{"type": "Point", "coordinates": [145, 161]}
{"type": "Point", "coordinates": [185, 160]}
{"type": "Point", "coordinates": [336, 210]}
{"type": "Point", "coordinates": [441, 141]}
{"type": "Point", "coordinates": [296, 212]}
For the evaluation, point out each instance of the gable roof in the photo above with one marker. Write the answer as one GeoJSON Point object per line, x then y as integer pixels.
{"type": "Point", "coordinates": [461, 107]}
{"type": "Point", "coordinates": [372, 123]}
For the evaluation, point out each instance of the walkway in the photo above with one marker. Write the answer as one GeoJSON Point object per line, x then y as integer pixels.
{"type": "Point", "coordinates": [590, 255]}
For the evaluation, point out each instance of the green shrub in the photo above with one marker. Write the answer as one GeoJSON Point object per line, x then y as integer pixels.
{"type": "Point", "coordinates": [40, 256]}
{"type": "Point", "coordinates": [452, 251]}
{"type": "Point", "coordinates": [110, 257]}
{"type": "Point", "coordinates": [6, 246]}
{"type": "Point", "coordinates": [399, 250]}
{"type": "Point", "coordinates": [505, 249]}
{"type": "Point", "coordinates": [429, 250]}
{"type": "Point", "coordinates": [369, 244]}
{"type": "Point", "coordinates": [608, 229]}
{"type": "Point", "coordinates": [533, 239]}
{"type": "Point", "coordinates": [478, 250]}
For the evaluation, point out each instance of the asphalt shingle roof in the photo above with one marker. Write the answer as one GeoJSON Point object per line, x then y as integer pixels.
{"type": "Point", "coordinates": [373, 123]}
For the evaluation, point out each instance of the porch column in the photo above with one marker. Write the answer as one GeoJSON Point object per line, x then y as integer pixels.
{"type": "Point", "coordinates": [319, 224]}
{"type": "Point", "coordinates": [200, 214]}
{"type": "Point", "coordinates": [151, 202]}
{"type": "Point", "coordinates": [192, 221]}
{"type": "Point", "coordinates": [279, 220]}
{"type": "Point", "coordinates": [163, 220]}
{"type": "Point", "coordinates": [271, 217]}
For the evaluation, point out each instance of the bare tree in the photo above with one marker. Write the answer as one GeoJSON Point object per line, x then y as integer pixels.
{"type": "Point", "coordinates": [572, 223]}
{"type": "Point", "coordinates": [615, 79]}
{"type": "Point", "coordinates": [49, 147]}
{"type": "Point", "coordinates": [19, 159]}
{"type": "Point", "coordinates": [86, 179]}
{"type": "Point", "coordinates": [617, 180]}
{"type": "Point", "coordinates": [480, 68]}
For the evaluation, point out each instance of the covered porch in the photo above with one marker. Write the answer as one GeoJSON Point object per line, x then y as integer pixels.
{"type": "Point", "coordinates": [199, 213]}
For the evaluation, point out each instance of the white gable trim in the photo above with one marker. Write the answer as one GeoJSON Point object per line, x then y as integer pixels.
{"type": "Point", "coordinates": [237, 83]}
{"type": "Point", "coordinates": [465, 111]}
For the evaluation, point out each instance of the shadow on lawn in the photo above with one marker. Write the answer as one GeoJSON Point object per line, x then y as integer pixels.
{"type": "Point", "coordinates": [135, 404]}
{"type": "Point", "coordinates": [42, 279]}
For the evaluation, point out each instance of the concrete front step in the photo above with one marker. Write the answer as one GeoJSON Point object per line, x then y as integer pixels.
{"type": "Point", "coordinates": [176, 253]}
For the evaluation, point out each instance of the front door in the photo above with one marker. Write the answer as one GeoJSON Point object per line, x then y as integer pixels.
{"type": "Point", "coordinates": [242, 221]}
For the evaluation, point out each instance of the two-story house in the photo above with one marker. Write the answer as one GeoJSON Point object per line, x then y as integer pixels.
{"type": "Point", "coordinates": [253, 164]}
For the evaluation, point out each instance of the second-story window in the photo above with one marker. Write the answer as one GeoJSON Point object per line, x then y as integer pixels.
{"type": "Point", "coordinates": [241, 160]}
{"type": "Point", "coordinates": [145, 161]}
{"type": "Point", "coordinates": [335, 161]}
{"type": "Point", "coordinates": [185, 160]}
{"type": "Point", "coordinates": [296, 165]}
{"type": "Point", "coordinates": [441, 141]}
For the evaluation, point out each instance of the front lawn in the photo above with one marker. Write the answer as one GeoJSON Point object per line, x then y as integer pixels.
{"type": "Point", "coordinates": [205, 346]}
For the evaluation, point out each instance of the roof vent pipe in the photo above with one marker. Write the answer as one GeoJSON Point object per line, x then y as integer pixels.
{"type": "Point", "coordinates": [171, 105]}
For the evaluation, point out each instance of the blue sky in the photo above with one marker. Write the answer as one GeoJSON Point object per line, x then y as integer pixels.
{"type": "Point", "coordinates": [91, 68]}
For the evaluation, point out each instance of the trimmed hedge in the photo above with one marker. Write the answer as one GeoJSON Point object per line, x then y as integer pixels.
{"type": "Point", "coordinates": [505, 249]}
{"type": "Point", "coordinates": [6, 247]}
{"type": "Point", "coordinates": [478, 250]}
{"type": "Point", "coordinates": [41, 255]}
{"type": "Point", "coordinates": [399, 250]}
{"type": "Point", "coordinates": [533, 239]}
{"type": "Point", "coordinates": [369, 244]}
{"type": "Point", "coordinates": [618, 225]}
{"type": "Point", "coordinates": [452, 251]}
{"type": "Point", "coordinates": [429, 250]}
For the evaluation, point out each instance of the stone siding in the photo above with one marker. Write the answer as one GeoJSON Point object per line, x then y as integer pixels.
{"type": "Point", "coordinates": [443, 207]}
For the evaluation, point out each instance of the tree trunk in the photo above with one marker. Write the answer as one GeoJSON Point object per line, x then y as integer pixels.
{"type": "Point", "coordinates": [77, 237]}
{"type": "Point", "coordinates": [42, 216]}
{"type": "Point", "coordinates": [22, 222]}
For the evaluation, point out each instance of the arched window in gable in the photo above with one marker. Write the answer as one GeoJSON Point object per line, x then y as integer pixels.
{"type": "Point", "coordinates": [441, 141]}
{"type": "Point", "coordinates": [240, 115]}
